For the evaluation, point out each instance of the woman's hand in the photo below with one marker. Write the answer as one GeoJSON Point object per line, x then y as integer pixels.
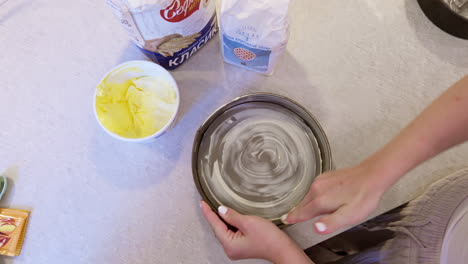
{"type": "Point", "coordinates": [346, 197]}
{"type": "Point", "coordinates": [255, 237]}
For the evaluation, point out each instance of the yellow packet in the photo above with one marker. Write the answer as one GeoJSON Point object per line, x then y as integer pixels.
{"type": "Point", "coordinates": [13, 224]}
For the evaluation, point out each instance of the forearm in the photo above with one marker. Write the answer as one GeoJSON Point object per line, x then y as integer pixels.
{"type": "Point", "coordinates": [441, 125]}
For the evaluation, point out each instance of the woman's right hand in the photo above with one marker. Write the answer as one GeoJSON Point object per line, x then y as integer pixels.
{"type": "Point", "coordinates": [345, 197]}
{"type": "Point", "coordinates": [348, 196]}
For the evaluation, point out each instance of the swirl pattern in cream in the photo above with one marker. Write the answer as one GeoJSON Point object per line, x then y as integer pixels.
{"type": "Point", "coordinates": [258, 158]}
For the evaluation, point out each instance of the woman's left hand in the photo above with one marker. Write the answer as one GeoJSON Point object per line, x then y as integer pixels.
{"type": "Point", "coordinates": [255, 238]}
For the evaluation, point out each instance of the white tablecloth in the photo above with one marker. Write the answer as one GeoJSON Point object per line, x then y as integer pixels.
{"type": "Point", "coordinates": [363, 68]}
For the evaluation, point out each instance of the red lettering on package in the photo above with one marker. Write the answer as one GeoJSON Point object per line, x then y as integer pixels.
{"type": "Point", "coordinates": [179, 10]}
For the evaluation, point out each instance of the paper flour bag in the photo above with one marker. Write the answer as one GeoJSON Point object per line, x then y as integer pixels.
{"type": "Point", "coordinates": [254, 32]}
{"type": "Point", "coordinates": [168, 31]}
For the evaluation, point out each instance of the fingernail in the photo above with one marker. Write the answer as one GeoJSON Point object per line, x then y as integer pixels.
{"type": "Point", "coordinates": [321, 227]}
{"type": "Point", "coordinates": [222, 210]}
{"type": "Point", "coordinates": [201, 204]}
{"type": "Point", "coordinates": [283, 219]}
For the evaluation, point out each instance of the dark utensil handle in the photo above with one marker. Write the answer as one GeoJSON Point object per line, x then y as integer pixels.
{"type": "Point", "coordinates": [444, 18]}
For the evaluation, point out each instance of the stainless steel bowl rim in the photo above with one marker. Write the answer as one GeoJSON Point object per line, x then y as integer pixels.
{"type": "Point", "coordinates": [306, 116]}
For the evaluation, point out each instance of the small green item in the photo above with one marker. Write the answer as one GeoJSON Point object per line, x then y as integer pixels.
{"type": "Point", "coordinates": [3, 185]}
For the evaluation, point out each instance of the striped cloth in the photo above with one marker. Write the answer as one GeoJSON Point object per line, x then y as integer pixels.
{"type": "Point", "coordinates": [436, 220]}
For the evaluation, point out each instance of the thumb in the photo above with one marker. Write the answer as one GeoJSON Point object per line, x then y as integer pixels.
{"type": "Point", "coordinates": [231, 217]}
{"type": "Point", "coordinates": [342, 217]}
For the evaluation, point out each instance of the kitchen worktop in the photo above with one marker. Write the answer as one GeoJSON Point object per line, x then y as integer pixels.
{"type": "Point", "coordinates": [363, 68]}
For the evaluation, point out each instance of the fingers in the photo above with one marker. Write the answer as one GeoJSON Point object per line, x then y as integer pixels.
{"type": "Point", "coordinates": [314, 208]}
{"type": "Point", "coordinates": [232, 217]}
{"type": "Point", "coordinates": [309, 196]}
{"type": "Point", "coordinates": [344, 216]}
{"type": "Point", "coordinates": [318, 187]}
{"type": "Point", "coordinates": [219, 228]}
{"type": "Point", "coordinates": [300, 212]}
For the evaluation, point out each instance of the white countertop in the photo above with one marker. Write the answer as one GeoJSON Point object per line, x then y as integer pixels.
{"type": "Point", "coordinates": [363, 68]}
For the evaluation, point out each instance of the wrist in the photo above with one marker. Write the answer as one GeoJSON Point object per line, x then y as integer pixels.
{"type": "Point", "coordinates": [380, 176]}
{"type": "Point", "coordinates": [289, 252]}
{"type": "Point", "coordinates": [383, 170]}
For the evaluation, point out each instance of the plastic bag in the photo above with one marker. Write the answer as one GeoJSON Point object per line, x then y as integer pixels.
{"type": "Point", "coordinates": [13, 225]}
{"type": "Point", "coordinates": [168, 31]}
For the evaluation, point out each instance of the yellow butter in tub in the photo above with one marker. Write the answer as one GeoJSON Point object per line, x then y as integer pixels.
{"type": "Point", "coordinates": [137, 107]}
